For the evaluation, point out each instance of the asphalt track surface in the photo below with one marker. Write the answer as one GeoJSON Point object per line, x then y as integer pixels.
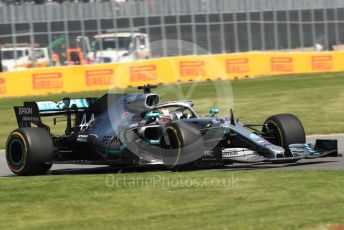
{"type": "Point", "coordinates": [330, 163]}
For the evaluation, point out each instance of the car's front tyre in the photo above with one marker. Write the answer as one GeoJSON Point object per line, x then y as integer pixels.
{"type": "Point", "coordinates": [284, 130]}
{"type": "Point", "coordinates": [182, 144]}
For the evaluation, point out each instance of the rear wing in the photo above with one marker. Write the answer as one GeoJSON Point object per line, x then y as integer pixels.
{"type": "Point", "coordinates": [50, 108]}
{"type": "Point", "coordinates": [32, 112]}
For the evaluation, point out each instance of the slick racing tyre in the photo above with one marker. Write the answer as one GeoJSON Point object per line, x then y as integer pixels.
{"type": "Point", "coordinates": [284, 130]}
{"type": "Point", "coordinates": [182, 143]}
{"type": "Point", "coordinates": [29, 151]}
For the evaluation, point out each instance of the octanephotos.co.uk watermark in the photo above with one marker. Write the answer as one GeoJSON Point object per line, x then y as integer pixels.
{"type": "Point", "coordinates": [120, 181]}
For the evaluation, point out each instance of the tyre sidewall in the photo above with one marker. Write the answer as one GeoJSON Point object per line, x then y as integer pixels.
{"type": "Point", "coordinates": [38, 150]}
{"type": "Point", "coordinates": [17, 136]}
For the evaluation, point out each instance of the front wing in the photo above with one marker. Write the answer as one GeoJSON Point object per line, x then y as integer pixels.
{"type": "Point", "coordinates": [322, 148]}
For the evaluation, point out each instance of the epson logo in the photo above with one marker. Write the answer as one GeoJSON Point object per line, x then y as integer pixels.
{"type": "Point", "coordinates": [25, 111]}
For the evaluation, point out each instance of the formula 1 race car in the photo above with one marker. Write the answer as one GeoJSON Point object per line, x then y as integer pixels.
{"type": "Point", "coordinates": [136, 129]}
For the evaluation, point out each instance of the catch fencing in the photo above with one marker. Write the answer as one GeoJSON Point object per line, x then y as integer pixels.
{"type": "Point", "coordinates": [218, 26]}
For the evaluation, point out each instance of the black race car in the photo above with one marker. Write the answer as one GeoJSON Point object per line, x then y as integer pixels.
{"type": "Point", "coordinates": [136, 129]}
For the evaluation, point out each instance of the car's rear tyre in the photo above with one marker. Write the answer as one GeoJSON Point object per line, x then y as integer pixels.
{"type": "Point", "coordinates": [284, 130]}
{"type": "Point", "coordinates": [29, 151]}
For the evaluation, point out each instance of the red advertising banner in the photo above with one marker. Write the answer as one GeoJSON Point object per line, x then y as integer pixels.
{"type": "Point", "coordinates": [192, 68]}
{"type": "Point", "coordinates": [282, 64]}
{"type": "Point", "coordinates": [237, 65]}
{"type": "Point", "coordinates": [143, 73]}
{"type": "Point", "coordinates": [99, 77]}
{"type": "Point", "coordinates": [2, 85]}
{"type": "Point", "coordinates": [47, 81]}
{"type": "Point", "coordinates": [322, 63]}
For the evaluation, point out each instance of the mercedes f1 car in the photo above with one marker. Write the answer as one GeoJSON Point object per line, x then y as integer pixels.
{"type": "Point", "coordinates": [136, 129]}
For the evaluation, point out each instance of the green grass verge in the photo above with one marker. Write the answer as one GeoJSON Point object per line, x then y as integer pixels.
{"type": "Point", "coordinates": [316, 99]}
{"type": "Point", "coordinates": [189, 200]}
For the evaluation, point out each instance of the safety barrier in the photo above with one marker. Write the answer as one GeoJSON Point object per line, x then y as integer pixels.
{"type": "Point", "coordinates": [43, 81]}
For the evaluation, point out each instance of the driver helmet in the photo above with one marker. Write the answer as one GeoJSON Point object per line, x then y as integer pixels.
{"type": "Point", "coordinates": [177, 115]}
{"type": "Point", "coordinates": [165, 116]}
